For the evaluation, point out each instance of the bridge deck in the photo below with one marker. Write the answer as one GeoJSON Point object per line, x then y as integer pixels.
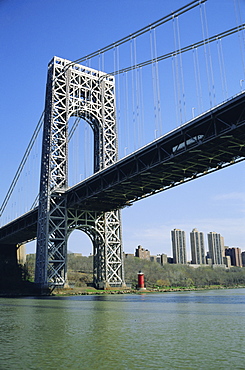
{"type": "Point", "coordinates": [207, 143]}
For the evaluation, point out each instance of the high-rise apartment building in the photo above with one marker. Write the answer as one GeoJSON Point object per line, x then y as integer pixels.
{"type": "Point", "coordinates": [178, 246]}
{"type": "Point", "coordinates": [21, 254]}
{"type": "Point", "coordinates": [197, 247]}
{"type": "Point", "coordinates": [235, 255]}
{"type": "Point", "coordinates": [216, 248]}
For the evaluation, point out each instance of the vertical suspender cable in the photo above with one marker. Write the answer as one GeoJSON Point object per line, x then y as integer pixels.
{"type": "Point", "coordinates": [133, 93]}
{"type": "Point", "coordinates": [138, 115]}
{"type": "Point", "coordinates": [154, 84]}
{"type": "Point", "coordinates": [175, 90]}
{"type": "Point", "coordinates": [208, 58]}
{"type": "Point", "coordinates": [76, 148]}
{"type": "Point", "coordinates": [102, 61]}
{"type": "Point", "coordinates": [142, 116]}
{"type": "Point", "coordinates": [177, 80]}
{"type": "Point", "coordinates": [85, 149]}
{"type": "Point", "coordinates": [181, 71]}
{"type": "Point", "coordinates": [193, 4]}
{"type": "Point", "coordinates": [198, 80]}
{"type": "Point", "coordinates": [158, 89]}
{"type": "Point", "coordinates": [222, 69]}
{"type": "Point", "coordinates": [241, 38]}
{"type": "Point", "coordinates": [77, 144]}
{"type": "Point", "coordinates": [118, 89]}
{"type": "Point", "coordinates": [127, 143]}
{"type": "Point", "coordinates": [139, 107]}
{"type": "Point", "coordinates": [136, 81]}
{"type": "Point", "coordinates": [155, 80]}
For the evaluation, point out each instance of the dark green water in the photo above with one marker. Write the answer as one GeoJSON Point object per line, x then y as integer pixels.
{"type": "Point", "coordinates": [187, 330]}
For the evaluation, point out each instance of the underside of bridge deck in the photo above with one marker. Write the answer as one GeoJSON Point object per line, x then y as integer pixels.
{"type": "Point", "coordinates": [205, 144]}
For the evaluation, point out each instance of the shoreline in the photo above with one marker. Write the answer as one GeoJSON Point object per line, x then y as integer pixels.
{"type": "Point", "coordinates": [70, 292]}
{"type": "Point", "coordinates": [89, 291]}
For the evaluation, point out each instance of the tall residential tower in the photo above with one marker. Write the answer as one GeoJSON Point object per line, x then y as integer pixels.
{"type": "Point", "coordinates": [197, 247]}
{"type": "Point", "coordinates": [216, 248]}
{"type": "Point", "coordinates": [178, 246]}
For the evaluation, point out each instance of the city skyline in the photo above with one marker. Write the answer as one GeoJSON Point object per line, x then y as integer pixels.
{"type": "Point", "coordinates": [217, 253]}
{"type": "Point", "coordinates": [155, 250]}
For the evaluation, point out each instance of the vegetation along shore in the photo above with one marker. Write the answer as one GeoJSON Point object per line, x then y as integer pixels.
{"type": "Point", "coordinates": [164, 278]}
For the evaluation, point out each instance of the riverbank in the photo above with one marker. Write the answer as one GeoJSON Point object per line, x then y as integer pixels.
{"type": "Point", "coordinates": [68, 292]}
{"type": "Point", "coordinates": [92, 291]}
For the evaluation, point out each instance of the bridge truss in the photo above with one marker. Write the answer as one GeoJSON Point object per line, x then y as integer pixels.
{"type": "Point", "coordinates": [74, 90]}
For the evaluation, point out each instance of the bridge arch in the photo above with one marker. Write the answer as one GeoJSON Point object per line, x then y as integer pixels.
{"type": "Point", "coordinates": [84, 221]}
{"type": "Point", "coordinates": [93, 224]}
{"type": "Point", "coordinates": [81, 150]}
{"type": "Point", "coordinates": [79, 241]}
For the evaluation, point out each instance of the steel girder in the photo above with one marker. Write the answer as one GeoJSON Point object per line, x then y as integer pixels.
{"type": "Point", "coordinates": [74, 90]}
{"type": "Point", "coordinates": [20, 230]}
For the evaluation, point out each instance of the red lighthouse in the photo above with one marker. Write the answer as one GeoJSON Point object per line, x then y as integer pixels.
{"type": "Point", "coordinates": [141, 280]}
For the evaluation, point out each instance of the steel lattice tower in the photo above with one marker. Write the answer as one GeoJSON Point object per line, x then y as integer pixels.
{"type": "Point", "coordinates": [75, 90]}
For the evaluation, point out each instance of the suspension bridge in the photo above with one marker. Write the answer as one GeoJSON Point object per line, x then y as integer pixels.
{"type": "Point", "coordinates": [136, 93]}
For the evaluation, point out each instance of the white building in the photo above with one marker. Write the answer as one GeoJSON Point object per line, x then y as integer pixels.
{"type": "Point", "coordinates": [197, 247]}
{"type": "Point", "coordinates": [178, 246]}
{"type": "Point", "coordinates": [216, 248]}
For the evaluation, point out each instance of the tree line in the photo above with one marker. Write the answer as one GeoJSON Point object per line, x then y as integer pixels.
{"type": "Point", "coordinates": [177, 275]}
{"type": "Point", "coordinates": [80, 273]}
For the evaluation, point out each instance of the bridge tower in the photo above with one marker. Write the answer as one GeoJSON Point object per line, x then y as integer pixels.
{"type": "Point", "coordinates": [75, 90]}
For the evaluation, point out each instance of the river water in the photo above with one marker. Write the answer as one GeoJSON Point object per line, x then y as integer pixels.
{"type": "Point", "coordinates": [184, 330]}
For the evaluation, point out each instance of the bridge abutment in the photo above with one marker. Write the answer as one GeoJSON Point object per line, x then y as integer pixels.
{"type": "Point", "coordinates": [8, 254]}
{"type": "Point", "coordinates": [10, 274]}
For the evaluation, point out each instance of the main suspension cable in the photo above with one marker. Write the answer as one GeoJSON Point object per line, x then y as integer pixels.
{"type": "Point", "coordinates": [22, 163]}
{"type": "Point", "coordinates": [179, 51]}
{"type": "Point", "coordinates": [140, 32]}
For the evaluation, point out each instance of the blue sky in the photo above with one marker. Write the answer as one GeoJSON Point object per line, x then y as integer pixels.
{"type": "Point", "coordinates": [32, 32]}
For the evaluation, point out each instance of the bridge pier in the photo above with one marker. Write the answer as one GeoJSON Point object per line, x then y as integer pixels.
{"type": "Point", "coordinates": [8, 254]}
{"type": "Point", "coordinates": [10, 273]}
